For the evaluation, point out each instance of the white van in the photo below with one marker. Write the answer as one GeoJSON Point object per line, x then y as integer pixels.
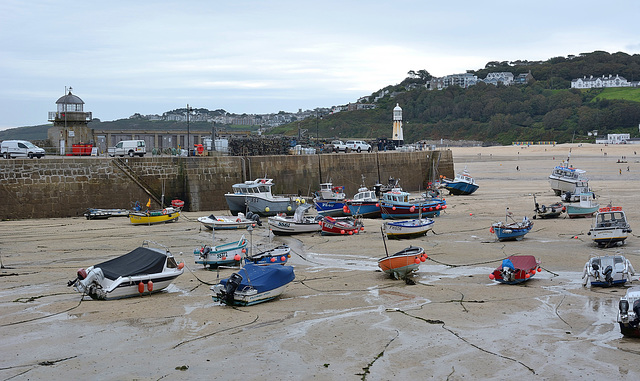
{"type": "Point", "coordinates": [128, 147]}
{"type": "Point", "coordinates": [20, 148]}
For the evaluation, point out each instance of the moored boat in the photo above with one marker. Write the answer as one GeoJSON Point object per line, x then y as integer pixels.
{"type": "Point", "coordinates": [255, 196]}
{"type": "Point", "coordinates": [277, 256]}
{"type": "Point", "coordinates": [516, 269]}
{"type": "Point", "coordinates": [364, 204]}
{"type": "Point", "coordinates": [585, 208]}
{"type": "Point", "coordinates": [511, 231]}
{"type": "Point", "coordinates": [150, 217]}
{"type": "Point", "coordinates": [341, 225]}
{"type": "Point", "coordinates": [398, 205]}
{"type": "Point", "coordinates": [330, 200]}
{"type": "Point", "coordinates": [610, 226]}
{"type": "Point", "coordinates": [408, 228]}
{"type": "Point", "coordinates": [144, 270]}
{"type": "Point", "coordinates": [552, 211]}
{"type": "Point", "coordinates": [629, 312]}
{"type": "Point", "coordinates": [402, 263]}
{"type": "Point", "coordinates": [462, 184]}
{"type": "Point", "coordinates": [97, 214]}
{"type": "Point", "coordinates": [606, 271]}
{"type": "Point", "coordinates": [253, 284]}
{"type": "Point", "coordinates": [296, 224]}
{"type": "Point", "coordinates": [228, 254]}
{"type": "Point", "coordinates": [229, 223]}
{"type": "Point", "coordinates": [564, 178]}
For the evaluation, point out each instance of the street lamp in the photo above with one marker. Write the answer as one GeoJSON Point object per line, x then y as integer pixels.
{"type": "Point", "coordinates": [318, 116]}
{"type": "Point", "coordinates": [189, 109]}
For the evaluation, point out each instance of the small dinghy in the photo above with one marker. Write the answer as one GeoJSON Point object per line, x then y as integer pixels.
{"type": "Point", "coordinates": [341, 225]}
{"type": "Point", "coordinates": [606, 271]}
{"type": "Point", "coordinates": [228, 254]}
{"type": "Point", "coordinates": [629, 313]}
{"type": "Point", "coordinates": [408, 228]}
{"type": "Point", "coordinates": [253, 284]}
{"type": "Point", "coordinates": [516, 269]}
{"type": "Point", "coordinates": [142, 271]}
{"type": "Point", "coordinates": [151, 217]}
{"type": "Point", "coordinates": [276, 256]}
{"type": "Point", "coordinates": [511, 231]}
{"type": "Point", "coordinates": [229, 223]}
{"type": "Point", "coordinates": [296, 224]}
{"type": "Point", "coordinates": [552, 211]}
{"type": "Point", "coordinates": [402, 263]}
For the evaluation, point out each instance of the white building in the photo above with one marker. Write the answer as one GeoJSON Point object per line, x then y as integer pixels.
{"type": "Point", "coordinates": [598, 82]}
{"type": "Point", "coordinates": [614, 139]}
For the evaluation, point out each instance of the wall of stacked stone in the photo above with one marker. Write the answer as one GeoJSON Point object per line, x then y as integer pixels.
{"type": "Point", "coordinates": [67, 187]}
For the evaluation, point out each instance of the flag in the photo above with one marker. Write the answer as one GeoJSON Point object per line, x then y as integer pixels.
{"type": "Point", "coordinates": [149, 203]}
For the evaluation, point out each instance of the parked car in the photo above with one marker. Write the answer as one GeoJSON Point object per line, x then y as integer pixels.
{"type": "Point", "coordinates": [128, 147]}
{"type": "Point", "coordinates": [20, 148]}
{"type": "Point", "coordinates": [358, 146]}
{"type": "Point", "coordinates": [337, 146]}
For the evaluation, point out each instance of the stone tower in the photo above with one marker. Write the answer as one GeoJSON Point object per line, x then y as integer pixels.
{"type": "Point", "coordinates": [70, 123]}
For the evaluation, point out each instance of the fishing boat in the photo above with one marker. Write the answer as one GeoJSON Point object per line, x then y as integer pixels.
{"type": "Point", "coordinates": [511, 231]}
{"type": "Point", "coordinates": [402, 263]}
{"type": "Point", "coordinates": [341, 225]}
{"type": "Point", "coordinates": [296, 224]}
{"type": "Point", "coordinates": [610, 226]}
{"type": "Point", "coordinates": [585, 208]}
{"type": "Point", "coordinates": [229, 223]}
{"type": "Point", "coordinates": [364, 204]}
{"type": "Point", "coordinates": [228, 254]}
{"type": "Point", "coordinates": [150, 217]}
{"type": "Point", "coordinates": [391, 185]}
{"type": "Point", "coordinates": [582, 186]}
{"type": "Point", "coordinates": [398, 205]}
{"type": "Point", "coordinates": [606, 271]}
{"type": "Point", "coordinates": [564, 178]}
{"type": "Point", "coordinates": [516, 269]}
{"type": "Point", "coordinates": [97, 214]}
{"type": "Point", "coordinates": [330, 200]}
{"type": "Point", "coordinates": [552, 211]}
{"type": "Point", "coordinates": [143, 271]}
{"type": "Point", "coordinates": [408, 228]}
{"type": "Point", "coordinates": [462, 184]}
{"type": "Point", "coordinates": [277, 256]}
{"type": "Point", "coordinates": [629, 313]}
{"type": "Point", "coordinates": [253, 284]}
{"type": "Point", "coordinates": [255, 196]}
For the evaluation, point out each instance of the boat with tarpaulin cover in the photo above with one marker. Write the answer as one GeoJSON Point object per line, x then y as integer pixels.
{"type": "Point", "coordinates": [516, 269]}
{"type": "Point", "coordinates": [253, 284]}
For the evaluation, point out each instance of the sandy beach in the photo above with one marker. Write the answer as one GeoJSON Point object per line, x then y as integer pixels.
{"type": "Point", "coordinates": [341, 319]}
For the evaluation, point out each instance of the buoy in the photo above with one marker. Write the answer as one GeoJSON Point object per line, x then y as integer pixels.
{"type": "Point", "coordinates": [527, 275]}
{"type": "Point", "coordinates": [238, 219]}
{"type": "Point", "coordinates": [491, 230]}
{"type": "Point", "coordinates": [273, 259]}
{"type": "Point", "coordinates": [266, 208]}
{"type": "Point", "coordinates": [236, 257]}
{"type": "Point", "coordinates": [180, 265]}
{"type": "Point", "coordinates": [393, 208]}
{"type": "Point", "coordinates": [283, 258]}
{"type": "Point", "coordinates": [491, 276]}
{"type": "Point", "coordinates": [243, 250]}
{"type": "Point", "coordinates": [362, 228]}
{"type": "Point", "coordinates": [576, 237]}
{"type": "Point", "coordinates": [422, 258]}
{"type": "Point", "coordinates": [164, 211]}
{"type": "Point", "coordinates": [303, 201]}
{"type": "Point", "coordinates": [320, 223]}
{"type": "Point", "coordinates": [539, 269]}
{"type": "Point", "coordinates": [150, 286]}
{"type": "Point", "coordinates": [444, 207]}
{"type": "Point", "coordinates": [141, 287]}
{"type": "Point", "coordinates": [438, 206]}
{"type": "Point", "coordinates": [224, 258]}
{"type": "Point", "coordinates": [417, 260]}
{"type": "Point", "coordinates": [412, 209]}
{"type": "Point", "coordinates": [342, 231]}
{"type": "Point", "coordinates": [377, 205]}
{"type": "Point", "coordinates": [350, 232]}
{"type": "Point", "coordinates": [82, 274]}
{"type": "Point", "coordinates": [424, 209]}
{"type": "Point", "coordinates": [471, 214]}
{"type": "Point", "coordinates": [289, 208]}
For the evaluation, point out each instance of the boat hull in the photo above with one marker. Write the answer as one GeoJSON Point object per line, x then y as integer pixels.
{"type": "Point", "coordinates": [330, 208]}
{"type": "Point", "coordinates": [142, 218]}
{"type": "Point", "coordinates": [221, 255]}
{"type": "Point", "coordinates": [341, 226]}
{"type": "Point", "coordinates": [576, 211]}
{"type": "Point", "coordinates": [408, 229]}
{"type": "Point", "coordinates": [608, 237]}
{"type": "Point", "coordinates": [511, 232]}
{"type": "Point", "coordinates": [520, 268]}
{"type": "Point", "coordinates": [367, 209]}
{"type": "Point", "coordinates": [403, 263]}
{"type": "Point", "coordinates": [460, 188]}
{"type": "Point", "coordinates": [411, 211]}
{"type": "Point", "coordinates": [284, 226]}
{"type": "Point", "coordinates": [225, 223]}
{"type": "Point", "coordinates": [271, 207]}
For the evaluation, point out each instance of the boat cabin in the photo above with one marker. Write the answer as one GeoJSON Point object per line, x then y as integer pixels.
{"type": "Point", "coordinates": [257, 186]}
{"type": "Point", "coordinates": [395, 197]}
{"type": "Point", "coordinates": [365, 196]}
{"type": "Point", "coordinates": [564, 171]}
{"type": "Point", "coordinates": [611, 217]}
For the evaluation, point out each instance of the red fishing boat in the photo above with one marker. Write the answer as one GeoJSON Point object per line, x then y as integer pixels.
{"type": "Point", "coordinates": [341, 225]}
{"type": "Point", "coordinates": [516, 269]}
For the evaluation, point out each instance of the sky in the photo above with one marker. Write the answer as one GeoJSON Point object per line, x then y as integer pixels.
{"type": "Point", "coordinates": [258, 57]}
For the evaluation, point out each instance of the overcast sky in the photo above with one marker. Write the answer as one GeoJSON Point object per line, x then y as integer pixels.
{"type": "Point", "coordinates": [126, 57]}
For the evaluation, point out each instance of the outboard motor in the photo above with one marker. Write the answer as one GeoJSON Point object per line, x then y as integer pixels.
{"type": "Point", "coordinates": [623, 306]}
{"type": "Point", "coordinates": [230, 288]}
{"type": "Point", "coordinates": [567, 197]}
{"type": "Point", "coordinates": [595, 268]}
{"type": "Point", "coordinates": [607, 275]}
{"type": "Point", "coordinates": [507, 274]}
{"type": "Point", "coordinates": [636, 311]}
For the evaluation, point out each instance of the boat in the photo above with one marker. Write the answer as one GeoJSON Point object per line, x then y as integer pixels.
{"type": "Point", "coordinates": [330, 200]}
{"type": "Point", "coordinates": [462, 184]}
{"type": "Point", "coordinates": [606, 271]}
{"type": "Point", "coordinates": [97, 214]}
{"type": "Point", "coordinates": [253, 284]}
{"type": "Point", "coordinates": [296, 224]}
{"type": "Point", "coordinates": [408, 228]}
{"type": "Point", "coordinates": [277, 256]}
{"type": "Point", "coordinates": [629, 313]}
{"type": "Point", "coordinates": [610, 226]}
{"type": "Point", "coordinates": [580, 188]}
{"type": "Point", "coordinates": [391, 185]}
{"type": "Point", "coordinates": [564, 178]}
{"type": "Point", "coordinates": [397, 205]}
{"type": "Point", "coordinates": [150, 217]}
{"type": "Point", "coordinates": [229, 223]}
{"type": "Point", "coordinates": [516, 269]}
{"type": "Point", "coordinates": [402, 263]}
{"type": "Point", "coordinates": [142, 271]}
{"type": "Point", "coordinates": [364, 204]}
{"type": "Point", "coordinates": [228, 254]}
{"type": "Point", "coordinates": [511, 231]}
{"type": "Point", "coordinates": [340, 225]}
{"type": "Point", "coordinates": [585, 208]}
{"type": "Point", "coordinates": [552, 211]}
{"type": "Point", "coordinates": [255, 196]}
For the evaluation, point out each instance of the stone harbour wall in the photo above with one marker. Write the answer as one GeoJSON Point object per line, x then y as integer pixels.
{"type": "Point", "coordinates": [67, 187]}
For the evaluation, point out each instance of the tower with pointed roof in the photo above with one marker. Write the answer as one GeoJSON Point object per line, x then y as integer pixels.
{"type": "Point", "coordinates": [70, 123]}
{"type": "Point", "coordinates": [397, 137]}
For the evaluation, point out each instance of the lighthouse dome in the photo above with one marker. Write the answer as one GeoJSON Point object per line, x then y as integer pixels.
{"type": "Point", "coordinates": [70, 99]}
{"type": "Point", "coordinates": [397, 108]}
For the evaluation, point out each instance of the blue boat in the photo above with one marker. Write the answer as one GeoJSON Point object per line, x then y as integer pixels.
{"type": "Point", "coordinates": [511, 231]}
{"type": "Point", "coordinates": [463, 184]}
{"type": "Point", "coordinates": [397, 205]}
{"type": "Point", "coordinates": [330, 200]}
{"type": "Point", "coordinates": [253, 284]}
{"type": "Point", "coordinates": [228, 254]}
{"type": "Point", "coordinates": [364, 204]}
{"type": "Point", "coordinates": [408, 228]}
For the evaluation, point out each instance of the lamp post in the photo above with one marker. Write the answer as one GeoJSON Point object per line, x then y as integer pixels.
{"type": "Point", "coordinates": [318, 116]}
{"type": "Point", "coordinates": [188, 131]}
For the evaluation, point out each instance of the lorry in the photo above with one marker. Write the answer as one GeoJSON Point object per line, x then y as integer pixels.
{"type": "Point", "coordinates": [20, 148]}
{"type": "Point", "coordinates": [128, 147]}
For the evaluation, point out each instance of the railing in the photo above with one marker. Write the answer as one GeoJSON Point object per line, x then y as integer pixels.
{"type": "Point", "coordinates": [71, 116]}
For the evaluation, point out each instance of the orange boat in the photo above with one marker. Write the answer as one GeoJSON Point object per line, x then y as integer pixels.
{"type": "Point", "coordinates": [403, 263]}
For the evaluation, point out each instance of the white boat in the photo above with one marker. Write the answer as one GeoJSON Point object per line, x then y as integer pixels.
{"type": "Point", "coordinates": [629, 313]}
{"type": "Point", "coordinates": [296, 224]}
{"type": "Point", "coordinates": [228, 223]}
{"type": "Point", "coordinates": [565, 177]}
{"type": "Point", "coordinates": [606, 271]}
{"type": "Point", "coordinates": [256, 196]}
{"type": "Point", "coordinates": [408, 228]}
{"type": "Point", "coordinates": [253, 284]}
{"type": "Point", "coordinates": [144, 270]}
{"type": "Point", "coordinates": [610, 226]}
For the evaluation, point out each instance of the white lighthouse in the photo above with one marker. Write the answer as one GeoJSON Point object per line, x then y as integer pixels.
{"type": "Point", "coordinates": [397, 136]}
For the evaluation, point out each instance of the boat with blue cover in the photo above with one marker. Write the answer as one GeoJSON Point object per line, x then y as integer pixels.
{"type": "Point", "coordinates": [253, 284]}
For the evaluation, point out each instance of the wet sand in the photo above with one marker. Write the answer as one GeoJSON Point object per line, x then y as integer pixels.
{"type": "Point", "coordinates": [341, 318]}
